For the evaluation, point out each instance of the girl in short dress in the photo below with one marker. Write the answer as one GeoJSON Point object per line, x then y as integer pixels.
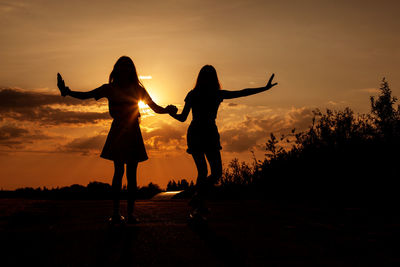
{"type": "Point", "coordinates": [203, 139]}
{"type": "Point", "coordinates": [124, 144]}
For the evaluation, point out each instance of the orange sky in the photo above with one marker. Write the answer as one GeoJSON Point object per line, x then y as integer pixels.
{"type": "Point", "coordinates": [324, 54]}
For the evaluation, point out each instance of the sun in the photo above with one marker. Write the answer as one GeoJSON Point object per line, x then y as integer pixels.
{"type": "Point", "coordinates": [142, 105]}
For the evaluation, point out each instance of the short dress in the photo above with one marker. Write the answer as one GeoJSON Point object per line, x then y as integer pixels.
{"type": "Point", "coordinates": [202, 135]}
{"type": "Point", "coordinates": [124, 141]}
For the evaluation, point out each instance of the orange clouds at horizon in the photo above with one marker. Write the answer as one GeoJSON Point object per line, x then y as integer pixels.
{"type": "Point", "coordinates": [46, 126]}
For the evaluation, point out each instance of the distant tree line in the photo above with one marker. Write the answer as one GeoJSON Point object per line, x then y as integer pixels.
{"type": "Point", "coordinates": [182, 184]}
{"type": "Point", "coordinates": [94, 190]}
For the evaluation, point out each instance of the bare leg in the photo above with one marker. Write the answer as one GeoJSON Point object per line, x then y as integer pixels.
{"type": "Point", "coordinates": [116, 184]}
{"type": "Point", "coordinates": [197, 201]}
{"type": "Point", "coordinates": [214, 158]}
{"type": "Point", "coordinates": [201, 165]}
{"type": "Point", "coordinates": [131, 170]}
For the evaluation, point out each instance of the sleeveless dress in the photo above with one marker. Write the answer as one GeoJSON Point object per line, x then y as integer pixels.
{"type": "Point", "coordinates": [124, 141]}
{"type": "Point", "coordinates": [202, 135]}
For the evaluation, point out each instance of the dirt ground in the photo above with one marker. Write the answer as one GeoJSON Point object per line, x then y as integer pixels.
{"type": "Point", "coordinates": [239, 233]}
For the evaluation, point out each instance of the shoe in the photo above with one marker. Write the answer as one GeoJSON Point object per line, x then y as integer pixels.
{"type": "Point", "coordinates": [116, 219]}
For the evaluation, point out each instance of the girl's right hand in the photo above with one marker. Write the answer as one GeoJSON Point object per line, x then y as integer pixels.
{"type": "Point", "coordinates": [270, 84]}
{"type": "Point", "coordinates": [61, 85]}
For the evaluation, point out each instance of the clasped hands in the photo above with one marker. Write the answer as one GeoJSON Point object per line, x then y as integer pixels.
{"type": "Point", "coordinates": [171, 109]}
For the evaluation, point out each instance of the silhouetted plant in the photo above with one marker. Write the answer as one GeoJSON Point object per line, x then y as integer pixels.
{"type": "Point", "coordinates": [237, 173]}
{"type": "Point", "coordinates": [339, 151]}
{"type": "Point", "coordinates": [385, 115]}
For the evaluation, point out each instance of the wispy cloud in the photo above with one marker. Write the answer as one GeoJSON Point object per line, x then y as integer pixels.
{"type": "Point", "coordinates": [45, 108]}
{"type": "Point", "coordinates": [369, 90]}
{"type": "Point", "coordinates": [14, 137]}
{"type": "Point", "coordinates": [252, 130]}
{"type": "Point", "coordinates": [84, 145]}
{"type": "Point", "coordinates": [10, 6]}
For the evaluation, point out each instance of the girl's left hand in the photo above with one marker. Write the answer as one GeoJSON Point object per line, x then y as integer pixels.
{"type": "Point", "coordinates": [61, 85]}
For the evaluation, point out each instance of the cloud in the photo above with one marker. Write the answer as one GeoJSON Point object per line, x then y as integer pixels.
{"type": "Point", "coordinates": [241, 127]}
{"type": "Point", "coordinates": [11, 99]}
{"type": "Point", "coordinates": [54, 116]}
{"type": "Point", "coordinates": [10, 6]}
{"type": "Point", "coordinates": [162, 139]}
{"type": "Point", "coordinates": [45, 108]}
{"type": "Point", "coordinates": [255, 129]}
{"type": "Point", "coordinates": [12, 136]}
{"type": "Point", "coordinates": [85, 145]}
{"type": "Point", "coordinates": [165, 137]}
{"type": "Point", "coordinates": [370, 90]}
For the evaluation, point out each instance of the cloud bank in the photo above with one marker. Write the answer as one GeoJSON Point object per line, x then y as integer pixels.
{"type": "Point", "coordinates": [32, 119]}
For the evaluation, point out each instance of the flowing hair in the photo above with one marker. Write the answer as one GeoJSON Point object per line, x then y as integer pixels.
{"type": "Point", "coordinates": [207, 79]}
{"type": "Point", "coordinates": [124, 73]}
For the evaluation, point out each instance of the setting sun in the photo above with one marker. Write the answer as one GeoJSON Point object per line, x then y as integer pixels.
{"type": "Point", "coordinates": [142, 105]}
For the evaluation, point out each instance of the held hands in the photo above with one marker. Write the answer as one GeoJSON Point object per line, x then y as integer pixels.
{"type": "Point", "coordinates": [64, 90]}
{"type": "Point", "coordinates": [171, 109]}
{"type": "Point", "coordinates": [270, 84]}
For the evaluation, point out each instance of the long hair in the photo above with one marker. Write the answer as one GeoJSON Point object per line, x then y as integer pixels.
{"type": "Point", "coordinates": [207, 79]}
{"type": "Point", "coordinates": [124, 73]}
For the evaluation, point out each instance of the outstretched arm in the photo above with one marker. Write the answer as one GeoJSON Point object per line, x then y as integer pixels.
{"type": "Point", "coordinates": [248, 91]}
{"type": "Point", "coordinates": [183, 116]}
{"type": "Point", "coordinates": [64, 90]}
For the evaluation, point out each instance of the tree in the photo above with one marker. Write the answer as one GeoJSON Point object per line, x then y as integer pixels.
{"type": "Point", "coordinates": [382, 108]}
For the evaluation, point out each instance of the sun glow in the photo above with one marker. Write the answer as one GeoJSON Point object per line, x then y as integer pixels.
{"type": "Point", "coordinates": [144, 109]}
{"type": "Point", "coordinates": [142, 105]}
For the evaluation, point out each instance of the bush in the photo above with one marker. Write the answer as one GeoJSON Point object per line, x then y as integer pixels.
{"type": "Point", "coordinates": [341, 152]}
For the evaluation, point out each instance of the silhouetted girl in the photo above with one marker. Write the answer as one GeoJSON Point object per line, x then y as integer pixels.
{"type": "Point", "coordinates": [203, 139]}
{"type": "Point", "coordinates": [124, 144]}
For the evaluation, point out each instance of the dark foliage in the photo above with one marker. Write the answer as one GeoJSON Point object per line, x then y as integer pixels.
{"type": "Point", "coordinates": [341, 154]}
{"type": "Point", "coordinates": [182, 184]}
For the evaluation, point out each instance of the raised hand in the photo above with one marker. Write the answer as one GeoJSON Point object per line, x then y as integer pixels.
{"type": "Point", "coordinates": [171, 109]}
{"type": "Point", "coordinates": [61, 85]}
{"type": "Point", "coordinates": [270, 84]}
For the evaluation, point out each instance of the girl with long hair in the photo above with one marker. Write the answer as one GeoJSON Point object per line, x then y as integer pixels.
{"type": "Point", "coordinates": [124, 144]}
{"type": "Point", "coordinates": [203, 139]}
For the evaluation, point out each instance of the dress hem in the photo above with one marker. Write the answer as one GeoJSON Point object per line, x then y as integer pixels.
{"type": "Point", "coordinates": [124, 160]}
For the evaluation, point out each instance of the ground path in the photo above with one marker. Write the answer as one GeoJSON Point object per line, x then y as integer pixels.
{"type": "Point", "coordinates": [241, 233]}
